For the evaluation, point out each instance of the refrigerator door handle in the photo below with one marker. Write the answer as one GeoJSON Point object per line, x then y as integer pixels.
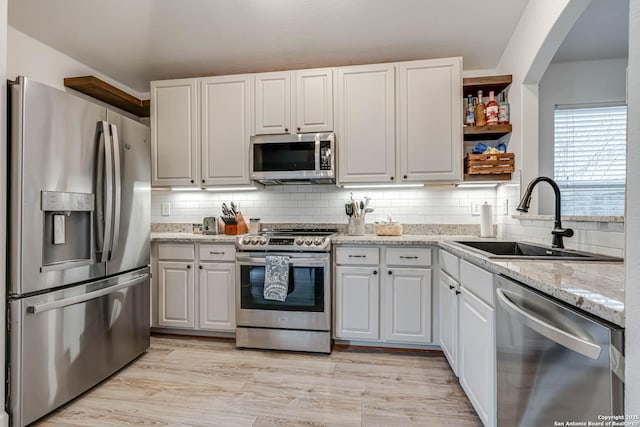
{"type": "Point", "coordinates": [108, 209]}
{"type": "Point", "coordinates": [557, 335]}
{"type": "Point", "coordinates": [40, 308]}
{"type": "Point", "coordinates": [117, 182]}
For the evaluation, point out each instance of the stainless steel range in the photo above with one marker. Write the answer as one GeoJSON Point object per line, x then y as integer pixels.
{"type": "Point", "coordinates": [302, 322]}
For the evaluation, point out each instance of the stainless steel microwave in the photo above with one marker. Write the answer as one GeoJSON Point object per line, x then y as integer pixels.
{"type": "Point", "coordinates": [290, 159]}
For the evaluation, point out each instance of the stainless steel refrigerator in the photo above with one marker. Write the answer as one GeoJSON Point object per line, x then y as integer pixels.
{"type": "Point", "coordinates": [79, 224]}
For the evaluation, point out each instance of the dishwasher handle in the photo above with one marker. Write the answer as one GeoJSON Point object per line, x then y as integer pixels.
{"type": "Point", "coordinates": [39, 308]}
{"type": "Point", "coordinates": [557, 335]}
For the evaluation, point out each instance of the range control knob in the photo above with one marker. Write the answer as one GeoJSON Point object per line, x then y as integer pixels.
{"type": "Point", "coordinates": [318, 241]}
{"type": "Point", "coordinates": [246, 241]}
{"type": "Point", "coordinates": [263, 240]}
{"type": "Point", "coordinates": [308, 241]}
{"type": "Point", "coordinates": [254, 241]}
{"type": "Point", "coordinates": [299, 241]}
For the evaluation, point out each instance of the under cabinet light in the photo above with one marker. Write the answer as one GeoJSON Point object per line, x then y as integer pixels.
{"type": "Point", "coordinates": [185, 189]}
{"type": "Point", "coordinates": [476, 185]}
{"type": "Point", "coordinates": [389, 186]}
{"type": "Point", "coordinates": [232, 189]}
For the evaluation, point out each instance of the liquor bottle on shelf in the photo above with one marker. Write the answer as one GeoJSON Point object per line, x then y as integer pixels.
{"type": "Point", "coordinates": [503, 110]}
{"type": "Point", "coordinates": [491, 110]}
{"type": "Point", "coordinates": [479, 111]}
{"type": "Point", "coordinates": [469, 117]}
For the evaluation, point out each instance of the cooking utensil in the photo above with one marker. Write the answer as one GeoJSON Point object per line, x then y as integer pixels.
{"type": "Point", "coordinates": [234, 209]}
{"type": "Point", "coordinates": [368, 210]}
{"type": "Point", "coordinates": [348, 208]}
{"type": "Point", "coordinates": [225, 210]}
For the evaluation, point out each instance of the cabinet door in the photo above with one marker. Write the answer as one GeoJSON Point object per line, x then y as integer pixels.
{"type": "Point", "coordinates": [406, 306]}
{"type": "Point", "coordinates": [273, 103]}
{"type": "Point", "coordinates": [477, 355]}
{"type": "Point", "coordinates": [226, 129]}
{"type": "Point", "coordinates": [448, 308]}
{"type": "Point", "coordinates": [217, 296]}
{"type": "Point", "coordinates": [357, 303]}
{"type": "Point", "coordinates": [366, 124]}
{"type": "Point", "coordinates": [174, 132]}
{"type": "Point", "coordinates": [430, 120]}
{"type": "Point", "coordinates": [314, 100]}
{"type": "Point", "coordinates": [176, 294]}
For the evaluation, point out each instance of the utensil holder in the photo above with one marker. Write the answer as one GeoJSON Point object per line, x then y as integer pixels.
{"type": "Point", "coordinates": [355, 226]}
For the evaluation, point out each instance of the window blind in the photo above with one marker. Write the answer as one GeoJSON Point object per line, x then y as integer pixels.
{"type": "Point", "coordinates": [590, 158]}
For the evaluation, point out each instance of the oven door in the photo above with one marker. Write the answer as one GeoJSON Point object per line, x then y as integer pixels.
{"type": "Point", "coordinates": [307, 306]}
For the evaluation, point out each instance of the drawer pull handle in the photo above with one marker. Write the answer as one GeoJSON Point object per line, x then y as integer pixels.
{"type": "Point", "coordinates": [216, 253]}
{"type": "Point", "coordinates": [408, 257]}
{"type": "Point", "coordinates": [451, 287]}
{"type": "Point", "coordinates": [357, 256]}
{"type": "Point", "coordinates": [458, 292]}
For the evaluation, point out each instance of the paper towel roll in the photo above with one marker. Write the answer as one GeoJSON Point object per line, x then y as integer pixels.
{"type": "Point", "coordinates": [486, 220]}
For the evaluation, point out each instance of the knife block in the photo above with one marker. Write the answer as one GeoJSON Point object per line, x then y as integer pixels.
{"type": "Point", "coordinates": [240, 227]}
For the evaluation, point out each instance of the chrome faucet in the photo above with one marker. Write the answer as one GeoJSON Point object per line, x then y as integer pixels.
{"type": "Point", "coordinates": [558, 232]}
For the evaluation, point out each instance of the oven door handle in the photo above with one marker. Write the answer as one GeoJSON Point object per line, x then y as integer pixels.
{"type": "Point", "coordinates": [293, 261]}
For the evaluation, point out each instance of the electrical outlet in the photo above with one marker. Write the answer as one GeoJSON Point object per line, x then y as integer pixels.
{"type": "Point", "coordinates": [165, 208]}
{"type": "Point", "coordinates": [505, 207]}
{"type": "Point", "coordinates": [475, 208]}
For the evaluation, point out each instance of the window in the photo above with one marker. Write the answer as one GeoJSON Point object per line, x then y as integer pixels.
{"type": "Point", "coordinates": [590, 158]}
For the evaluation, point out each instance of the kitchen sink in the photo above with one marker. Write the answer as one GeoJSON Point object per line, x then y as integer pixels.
{"type": "Point", "coordinates": [520, 250]}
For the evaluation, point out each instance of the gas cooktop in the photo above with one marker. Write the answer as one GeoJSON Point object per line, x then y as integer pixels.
{"type": "Point", "coordinates": [299, 240]}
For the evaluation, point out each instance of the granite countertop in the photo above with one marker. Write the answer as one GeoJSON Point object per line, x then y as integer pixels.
{"type": "Point", "coordinates": [595, 287]}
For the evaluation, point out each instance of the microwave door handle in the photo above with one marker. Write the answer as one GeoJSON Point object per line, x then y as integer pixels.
{"type": "Point", "coordinates": [317, 154]}
{"type": "Point", "coordinates": [117, 183]}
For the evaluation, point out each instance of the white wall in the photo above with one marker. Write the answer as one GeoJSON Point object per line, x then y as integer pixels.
{"type": "Point", "coordinates": [573, 83]}
{"type": "Point", "coordinates": [325, 204]}
{"type": "Point", "coordinates": [31, 58]}
{"type": "Point", "coordinates": [632, 290]}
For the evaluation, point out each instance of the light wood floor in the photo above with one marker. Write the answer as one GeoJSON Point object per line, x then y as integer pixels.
{"type": "Point", "coordinates": [197, 382]}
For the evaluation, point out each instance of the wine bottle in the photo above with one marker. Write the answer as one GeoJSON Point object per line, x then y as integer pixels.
{"type": "Point", "coordinates": [503, 110]}
{"type": "Point", "coordinates": [479, 111]}
{"type": "Point", "coordinates": [491, 110]}
{"type": "Point", "coordinates": [469, 118]}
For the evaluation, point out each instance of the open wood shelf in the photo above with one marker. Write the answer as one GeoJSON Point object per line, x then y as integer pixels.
{"type": "Point", "coordinates": [471, 85]}
{"type": "Point", "coordinates": [103, 91]}
{"type": "Point", "coordinates": [481, 133]}
{"type": "Point", "coordinates": [487, 178]}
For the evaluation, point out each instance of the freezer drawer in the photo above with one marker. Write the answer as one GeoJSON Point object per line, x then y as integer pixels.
{"type": "Point", "coordinates": [63, 343]}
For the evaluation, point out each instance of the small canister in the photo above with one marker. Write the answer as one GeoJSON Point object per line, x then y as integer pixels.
{"type": "Point", "coordinates": [254, 225]}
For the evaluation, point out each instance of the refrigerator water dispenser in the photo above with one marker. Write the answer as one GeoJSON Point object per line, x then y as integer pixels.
{"type": "Point", "coordinates": [67, 229]}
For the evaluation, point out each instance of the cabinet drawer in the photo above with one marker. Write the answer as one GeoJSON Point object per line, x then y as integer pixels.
{"type": "Point", "coordinates": [360, 256]}
{"type": "Point", "coordinates": [217, 252]}
{"type": "Point", "coordinates": [415, 257]}
{"type": "Point", "coordinates": [478, 281]}
{"type": "Point", "coordinates": [176, 251]}
{"type": "Point", "coordinates": [450, 264]}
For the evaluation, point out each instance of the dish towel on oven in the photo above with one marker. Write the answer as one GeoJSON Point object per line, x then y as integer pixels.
{"type": "Point", "coordinates": [276, 277]}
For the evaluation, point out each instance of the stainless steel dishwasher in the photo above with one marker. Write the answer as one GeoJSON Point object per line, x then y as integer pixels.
{"type": "Point", "coordinates": [554, 363]}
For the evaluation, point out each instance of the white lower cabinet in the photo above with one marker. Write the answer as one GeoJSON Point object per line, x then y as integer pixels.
{"type": "Point", "coordinates": [448, 305]}
{"type": "Point", "coordinates": [205, 301]}
{"type": "Point", "coordinates": [477, 355]}
{"type": "Point", "coordinates": [381, 295]}
{"type": "Point", "coordinates": [176, 294]}
{"type": "Point", "coordinates": [357, 302]}
{"type": "Point", "coordinates": [216, 294]}
{"type": "Point", "coordinates": [406, 309]}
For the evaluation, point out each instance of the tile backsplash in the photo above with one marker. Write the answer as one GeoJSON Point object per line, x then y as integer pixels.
{"type": "Point", "coordinates": [325, 204]}
{"type": "Point", "coordinates": [590, 236]}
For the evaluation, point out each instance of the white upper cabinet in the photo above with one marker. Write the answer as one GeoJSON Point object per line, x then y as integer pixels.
{"type": "Point", "coordinates": [273, 103]}
{"type": "Point", "coordinates": [174, 132]}
{"type": "Point", "coordinates": [430, 119]}
{"type": "Point", "coordinates": [226, 129]}
{"type": "Point", "coordinates": [313, 100]}
{"type": "Point", "coordinates": [366, 123]}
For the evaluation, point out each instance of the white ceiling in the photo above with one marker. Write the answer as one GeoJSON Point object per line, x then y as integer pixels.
{"type": "Point", "coordinates": [135, 42]}
{"type": "Point", "coordinates": [601, 32]}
